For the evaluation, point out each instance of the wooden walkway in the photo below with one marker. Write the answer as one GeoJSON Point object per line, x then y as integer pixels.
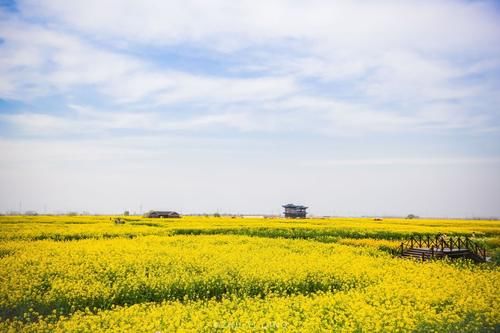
{"type": "Point", "coordinates": [438, 247]}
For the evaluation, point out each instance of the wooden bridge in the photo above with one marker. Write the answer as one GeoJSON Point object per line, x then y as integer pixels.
{"type": "Point", "coordinates": [427, 247]}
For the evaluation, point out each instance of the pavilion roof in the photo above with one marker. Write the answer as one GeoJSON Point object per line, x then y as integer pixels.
{"type": "Point", "coordinates": [294, 206]}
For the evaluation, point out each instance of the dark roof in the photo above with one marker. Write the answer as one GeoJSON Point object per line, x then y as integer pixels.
{"type": "Point", "coordinates": [162, 212]}
{"type": "Point", "coordinates": [158, 213]}
{"type": "Point", "coordinates": [294, 206]}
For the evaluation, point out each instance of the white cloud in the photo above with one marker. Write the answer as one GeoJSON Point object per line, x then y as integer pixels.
{"type": "Point", "coordinates": [414, 79]}
{"type": "Point", "coordinates": [86, 121]}
{"type": "Point", "coordinates": [360, 24]}
{"type": "Point", "coordinates": [301, 114]}
{"type": "Point", "coordinates": [205, 90]}
{"type": "Point", "coordinates": [40, 61]}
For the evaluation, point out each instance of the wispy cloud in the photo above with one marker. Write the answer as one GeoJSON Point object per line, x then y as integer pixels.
{"type": "Point", "coordinates": [344, 24]}
{"type": "Point", "coordinates": [41, 61]}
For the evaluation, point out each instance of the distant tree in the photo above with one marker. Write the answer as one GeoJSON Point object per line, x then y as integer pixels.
{"type": "Point", "coordinates": [412, 216]}
{"type": "Point", "coordinates": [126, 213]}
{"type": "Point", "coordinates": [72, 214]}
{"type": "Point", "coordinates": [30, 213]}
{"type": "Point", "coordinates": [216, 215]}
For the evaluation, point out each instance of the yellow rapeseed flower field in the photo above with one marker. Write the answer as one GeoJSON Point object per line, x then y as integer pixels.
{"type": "Point", "coordinates": [88, 274]}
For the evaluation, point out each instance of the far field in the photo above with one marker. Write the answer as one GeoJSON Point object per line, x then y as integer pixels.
{"type": "Point", "coordinates": [88, 274]}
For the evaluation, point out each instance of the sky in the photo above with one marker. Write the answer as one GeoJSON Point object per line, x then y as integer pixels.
{"type": "Point", "coordinates": [349, 107]}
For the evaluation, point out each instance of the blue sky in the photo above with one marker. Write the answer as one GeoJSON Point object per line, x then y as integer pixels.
{"type": "Point", "coordinates": [349, 107]}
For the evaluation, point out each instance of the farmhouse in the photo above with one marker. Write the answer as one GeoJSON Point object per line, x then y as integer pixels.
{"type": "Point", "coordinates": [162, 214]}
{"type": "Point", "coordinates": [295, 211]}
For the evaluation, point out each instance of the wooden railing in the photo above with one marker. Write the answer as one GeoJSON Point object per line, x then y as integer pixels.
{"type": "Point", "coordinates": [441, 243]}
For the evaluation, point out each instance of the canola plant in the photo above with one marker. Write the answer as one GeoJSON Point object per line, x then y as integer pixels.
{"type": "Point", "coordinates": [87, 274]}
